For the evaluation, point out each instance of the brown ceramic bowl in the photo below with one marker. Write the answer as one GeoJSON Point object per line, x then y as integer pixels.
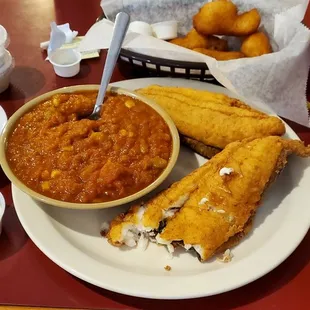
{"type": "Point", "coordinates": [10, 125]}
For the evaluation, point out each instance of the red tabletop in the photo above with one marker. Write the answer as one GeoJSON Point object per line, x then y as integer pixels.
{"type": "Point", "coordinates": [27, 276]}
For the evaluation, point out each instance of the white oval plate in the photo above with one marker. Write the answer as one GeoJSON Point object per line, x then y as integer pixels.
{"type": "Point", "coordinates": [71, 238]}
{"type": "Point", "coordinates": [3, 118]}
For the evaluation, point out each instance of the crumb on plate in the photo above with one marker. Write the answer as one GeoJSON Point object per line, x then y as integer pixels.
{"type": "Point", "coordinates": [226, 257]}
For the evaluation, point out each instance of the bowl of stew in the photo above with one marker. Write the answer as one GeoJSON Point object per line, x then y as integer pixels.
{"type": "Point", "coordinates": [51, 151]}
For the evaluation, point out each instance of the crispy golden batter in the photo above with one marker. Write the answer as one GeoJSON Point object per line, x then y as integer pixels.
{"type": "Point", "coordinates": [211, 118]}
{"type": "Point", "coordinates": [237, 238]}
{"type": "Point", "coordinates": [254, 164]}
{"type": "Point", "coordinates": [221, 17]}
{"type": "Point", "coordinates": [256, 44]}
{"type": "Point", "coordinates": [194, 40]}
{"type": "Point", "coordinates": [219, 55]}
{"type": "Point", "coordinates": [214, 210]}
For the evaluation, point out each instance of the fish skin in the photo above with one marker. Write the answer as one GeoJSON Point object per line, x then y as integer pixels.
{"type": "Point", "coordinates": [200, 148]}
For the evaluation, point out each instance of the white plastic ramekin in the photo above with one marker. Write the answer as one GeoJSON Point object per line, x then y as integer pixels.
{"type": "Point", "coordinates": [166, 30]}
{"type": "Point", "coordinates": [66, 62]}
{"type": "Point", "coordinates": [141, 28]}
{"type": "Point", "coordinates": [4, 42]}
{"type": "Point", "coordinates": [5, 71]}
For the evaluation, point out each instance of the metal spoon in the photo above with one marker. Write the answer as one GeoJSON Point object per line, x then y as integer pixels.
{"type": "Point", "coordinates": [119, 32]}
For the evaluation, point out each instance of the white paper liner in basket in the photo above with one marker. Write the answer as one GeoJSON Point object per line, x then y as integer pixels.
{"type": "Point", "coordinates": [278, 79]}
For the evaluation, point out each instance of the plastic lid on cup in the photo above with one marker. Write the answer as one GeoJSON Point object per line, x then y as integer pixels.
{"type": "Point", "coordinates": [4, 38]}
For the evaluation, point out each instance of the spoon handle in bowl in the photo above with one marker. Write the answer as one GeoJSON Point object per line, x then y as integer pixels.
{"type": "Point", "coordinates": [119, 33]}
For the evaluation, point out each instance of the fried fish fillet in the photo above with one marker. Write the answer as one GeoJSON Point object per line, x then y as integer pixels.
{"type": "Point", "coordinates": [256, 44]}
{"type": "Point", "coordinates": [211, 118]}
{"type": "Point", "coordinates": [220, 17]}
{"type": "Point", "coordinates": [195, 40]}
{"type": "Point", "coordinates": [212, 208]}
{"type": "Point", "coordinates": [219, 55]}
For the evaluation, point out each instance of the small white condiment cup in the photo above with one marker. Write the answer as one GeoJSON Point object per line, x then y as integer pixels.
{"type": "Point", "coordinates": [2, 56]}
{"type": "Point", "coordinates": [5, 71]}
{"type": "Point", "coordinates": [166, 30]}
{"type": "Point", "coordinates": [141, 28]}
{"type": "Point", "coordinates": [2, 209]}
{"type": "Point", "coordinates": [66, 62]}
{"type": "Point", "coordinates": [4, 38]}
{"type": "Point", "coordinates": [4, 42]}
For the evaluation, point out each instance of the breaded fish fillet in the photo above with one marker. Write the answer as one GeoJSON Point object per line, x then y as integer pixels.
{"type": "Point", "coordinates": [211, 118]}
{"type": "Point", "coordinates": [212, 208]}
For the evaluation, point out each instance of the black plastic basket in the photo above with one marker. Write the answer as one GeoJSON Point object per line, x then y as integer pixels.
{"type": "Point", "coordinates": [154, 66]}
{"type": "Point", "coordinates": [146, 65]}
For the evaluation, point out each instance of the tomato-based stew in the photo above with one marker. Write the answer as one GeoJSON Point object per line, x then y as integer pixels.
{"type": "Point", "coordinates": [58, 153]}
